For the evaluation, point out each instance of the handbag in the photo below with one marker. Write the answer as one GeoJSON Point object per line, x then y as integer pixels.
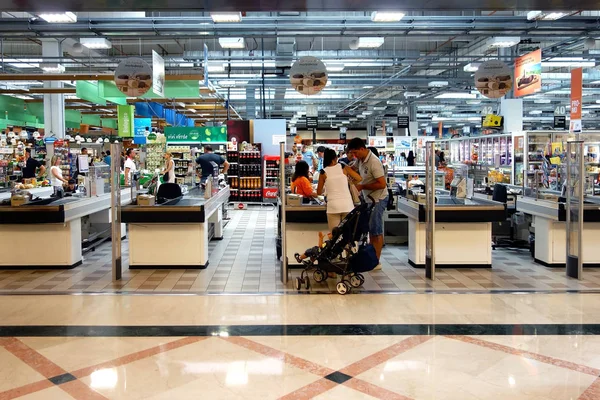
{"type": "Point", "coordinates": [364, 260]}
{"type": "Point", "coordinates": [354, 193]}
{"type": "Point", "coordinates": [165, 177]}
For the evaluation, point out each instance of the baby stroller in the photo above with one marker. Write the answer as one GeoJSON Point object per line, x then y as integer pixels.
{"type": "Point", "coordinates": [347, 253]}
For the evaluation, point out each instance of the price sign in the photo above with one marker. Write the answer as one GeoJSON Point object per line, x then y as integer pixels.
{"type": "Point", "coordinates": [560, 110]}
{"type": "Point", "coordinates": [487, 110]}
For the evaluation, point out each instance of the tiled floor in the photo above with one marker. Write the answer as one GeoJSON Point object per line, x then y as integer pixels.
{"type": "Point", "coordinates": [409, 347]}
{"type": "Point", "coordinates": [245, 262]}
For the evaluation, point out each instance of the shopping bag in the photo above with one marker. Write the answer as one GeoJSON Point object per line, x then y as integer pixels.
{"type": "Point", "coordinates": [364, 260]}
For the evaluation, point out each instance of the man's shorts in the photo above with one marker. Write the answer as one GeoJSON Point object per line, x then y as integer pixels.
{"type": "Point", "coordinates": [376, 219]}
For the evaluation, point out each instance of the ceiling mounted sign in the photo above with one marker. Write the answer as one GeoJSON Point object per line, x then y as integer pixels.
{"type": "Point", "coordinates": [308, 75]}
{"type": "Point", "coordinates": [133, 77]}
{"type": "Point", "coordinates": [493, 79]}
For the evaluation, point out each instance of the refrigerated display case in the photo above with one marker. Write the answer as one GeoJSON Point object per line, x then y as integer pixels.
{"type": "Point", "coordinates": [270, 179]}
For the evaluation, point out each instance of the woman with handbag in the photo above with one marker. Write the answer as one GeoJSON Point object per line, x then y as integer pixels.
{"type": "Point", "coordinates": [337, 182]}
{"type": "Point", "coordinates": [169, 170]}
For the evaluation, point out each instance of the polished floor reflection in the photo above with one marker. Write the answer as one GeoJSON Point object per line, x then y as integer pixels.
{"type": "Point", "coordinates": [412, 346]}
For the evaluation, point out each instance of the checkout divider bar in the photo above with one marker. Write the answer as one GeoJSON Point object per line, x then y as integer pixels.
{"type": "Point", "coordinates": [115, 210]}
{"type": "Point", "coordinates": [284, 261]}
{"type": "Point", "coordinates": [430, 211]}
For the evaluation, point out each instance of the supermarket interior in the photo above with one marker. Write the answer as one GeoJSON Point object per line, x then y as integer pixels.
{"type": "Point", "coordinates": [301, 201]}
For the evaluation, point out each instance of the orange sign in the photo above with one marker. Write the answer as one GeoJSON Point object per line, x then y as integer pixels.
{"type": "Point", "coordinates": [576, 97]}
{"type": "Point", "coordinates": [528, 73]}
{"type": "Point", "coordinates": [440, 129]}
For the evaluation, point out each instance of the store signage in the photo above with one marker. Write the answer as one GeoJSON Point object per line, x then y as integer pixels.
{"type": "Point", "coordinates": [125, 118]}
{"type": "Point", "coordinates": [133, 77]}
{"type": "Point", "coordinates": [196, 135]}
{"type": "Point", "coordinates": [403, 121]}
{"type": "Point", "coordinates": [158, 74]}
{"type": "Point", "coordinates": [312, 122]}
{"type": "Point", "coordinates": [152, 137]}
{"type": "Point", "coordinates": [342, 135]}
{"type": "Point", "coordinates": [576, 99]}
{"type": "Point", "coordinates": [402, 143]}
{"type": "Point", "coordinates": [270, 193]}
{"type": "Point", "coordinates": [376, 141]}
{"type": "Point", "coordinates": [560, 122]}
{"type": "Point", "coordinates": [528, 73]}
{"type": "Point", "coordinates": [493, 79]}
{"type": "Point", "coordinates": [308, 75]}
{"type": "Point", "coordinates": [141, 127]}
{"type": "Point", "coordinates": [50, 140]}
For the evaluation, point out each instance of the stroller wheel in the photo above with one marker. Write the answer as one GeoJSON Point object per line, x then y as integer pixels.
{"type": "Point", "coordinates": [297, 283]}
{"type": "Point", "coordinates": [307, 283]}
{"type": "Point", "coordinates": [362, 278]}
{"type": "Point", "coordinates": [319, 276]}
{"type": "Point", "coordinates": [355, 281]}
{"type": "Point", "coordinates": [342, 288]}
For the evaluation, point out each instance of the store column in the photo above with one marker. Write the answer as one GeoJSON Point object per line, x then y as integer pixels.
{"type": "Point", "coordinates": [54, 104]}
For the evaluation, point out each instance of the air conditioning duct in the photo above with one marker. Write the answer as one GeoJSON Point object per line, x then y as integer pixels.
{"type": "Point", "coordinates": [286, 47]}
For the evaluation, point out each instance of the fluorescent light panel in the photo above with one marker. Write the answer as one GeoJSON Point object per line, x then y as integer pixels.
{"type": "Point", "coordinates": [95, 43]}
{"type": "Point", "coordinates": [223, 17]}
{"type": "Point", "coordinates": [542, 101]}
{"type": "Point", "coordinates": [471, 67]}
{"type": "Point", "coordinates": [335, 67]}
{"type": "Point", "coordinates": [387, 16]}
{"type": "Point", "coordinates": [370, 42]}
{"type": "Point", "coordinates": [232, 42]}
{"type": "Point", "coordinates": [59, 18]}
{"type": "Point", "coordinates": [503, 42]}
{"type": "Point", "coordinates": [437, 83]}
{"type": "Point", "coordinates": [393, 102]}
{"type": "Point", "coordinates": [456, 96]}
{"type": "Point", "coordinates": [545, 15]}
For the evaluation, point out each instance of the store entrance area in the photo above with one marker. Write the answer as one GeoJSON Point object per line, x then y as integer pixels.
{"type": "Point", "coordinates": [244, 261]}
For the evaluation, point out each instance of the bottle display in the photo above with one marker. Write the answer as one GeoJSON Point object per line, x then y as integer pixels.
{"type": "Point", "coordinates": [245, 176]}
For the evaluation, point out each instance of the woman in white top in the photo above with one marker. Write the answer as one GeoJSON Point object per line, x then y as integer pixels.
{"type": "Point", "coordinates": [129, 167]}
{"type": "Point", "coordinates": [169, 168]}
{"type": "Point", "coordinates": [56, 176]}
{"type": "Point", "coordinates": [333, 180]}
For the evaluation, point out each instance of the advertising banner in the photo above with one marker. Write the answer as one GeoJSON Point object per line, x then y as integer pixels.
{"type": "Point", "coordinates": [141, 126]}
{"type": "Point", "coordinates": [133, 77]}
{"type": "Point", "coordinates": [196, 134]}
{"type": "Point", "coordinates": [308, 76]}
{"type": "Point", "coordinates": [576, 98]}
{"type": "Point", "coordinates": [158, 74]}
{"type": "Point", "coordinates": [528, 73]}
{"type": "Point", "coordinates": [125, 117]}
{"type": "Point", "coordinates": [376, 141]}
{"type": "Point", "coordinates": [493, 79]}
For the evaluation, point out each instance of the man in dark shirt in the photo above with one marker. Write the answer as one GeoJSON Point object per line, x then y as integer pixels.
{"type": "Point", "coordinates": [205, 162]}
{"type": "Point", "coordinates": [31, 165]}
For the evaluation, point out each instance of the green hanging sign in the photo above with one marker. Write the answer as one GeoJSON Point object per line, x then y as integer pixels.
{"type": "Point", "coordinates": [196, 134]}
{"type": "Point", "coordinates": [126, 118]}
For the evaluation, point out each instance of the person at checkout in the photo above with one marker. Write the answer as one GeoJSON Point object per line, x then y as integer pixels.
{"type": "Point", "coordinates": [71, 186]}
{"type": "Point", "coordinates": [206, 160]}
{"type": "Point", "coordinates": [31, 166]}
{"type": "Point", "coordinates": [301, 182]}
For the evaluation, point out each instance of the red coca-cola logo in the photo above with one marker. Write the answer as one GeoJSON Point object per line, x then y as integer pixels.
{"type": "Point", "coordinates": [241, 206]}
{"type": "Point", "coordinates": [270, 194]}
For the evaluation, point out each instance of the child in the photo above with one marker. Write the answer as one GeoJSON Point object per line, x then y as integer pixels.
{"type": "Point", "coordinates": [313, 252]}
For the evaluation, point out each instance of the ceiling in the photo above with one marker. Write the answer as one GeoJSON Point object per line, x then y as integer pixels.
{"type": "Point", "coordinates": [423, 55]}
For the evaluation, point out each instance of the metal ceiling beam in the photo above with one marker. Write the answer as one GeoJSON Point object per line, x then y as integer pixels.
{"type": "Point", "coordinates": [85, 77]}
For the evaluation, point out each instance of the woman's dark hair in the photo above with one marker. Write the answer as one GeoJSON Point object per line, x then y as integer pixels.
{"type": "Point", "coordinates": [374, 151]}
{"type": "Point", "coordinates": [301, 170]}
{"type": "Point", "coordinates": [442, 156]}
{"type": "Point", "coordinates": [328, 156]}
{"type": "Point", "coordinates": [411, 155]}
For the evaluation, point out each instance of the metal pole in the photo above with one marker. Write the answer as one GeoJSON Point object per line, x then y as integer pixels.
{"type": "Point", "coordinates": [115, 210]}
{"type": "Point", "coordinates": [284, 261]}
{"type": "Point", "coordinates": [574, 209]}
{"type": "Point", "coordinates": [430, 214]}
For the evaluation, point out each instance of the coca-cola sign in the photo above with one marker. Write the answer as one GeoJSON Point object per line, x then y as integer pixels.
{"type": "Point", "coordinates": [270, 193]}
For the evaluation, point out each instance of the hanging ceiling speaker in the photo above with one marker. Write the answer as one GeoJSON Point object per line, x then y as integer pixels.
{"type": "Point", "coordinates": [77, 48]}
{"type": "Point", "coordinates": [353, 44]}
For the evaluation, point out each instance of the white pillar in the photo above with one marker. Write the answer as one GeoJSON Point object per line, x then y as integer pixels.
{"type": "Point", "coordinates": [512, 111]}
{"type": "Point", "coordinates": [54, 104]}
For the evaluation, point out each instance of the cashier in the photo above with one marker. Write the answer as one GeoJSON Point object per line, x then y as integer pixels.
{"type": "Point", "coordinates": [301, 181]}
{"type": "Point", "coordinates": [31, 165]}
{"type": "Point", "coordinates": [71, 186]}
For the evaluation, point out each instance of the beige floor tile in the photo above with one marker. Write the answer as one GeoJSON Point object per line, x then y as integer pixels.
{"type": "Point", "coordinates": [53, 393]}
{"type": "Point", "coordinates": [14, 372]}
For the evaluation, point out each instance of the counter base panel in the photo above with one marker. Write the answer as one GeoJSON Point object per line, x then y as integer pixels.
{"type": "Point", "coordinates": [468, 244]}
{"type": "Point", "coordinates": [40, 267]}
{"type": "Point", "coordinates": [412, 264]}
{"type": "Point", "coordinates": [559, 265]}
{"type": "Point", "coordinates": [551, 242]}
{"type": "Point", "coordinates": [301, 237]}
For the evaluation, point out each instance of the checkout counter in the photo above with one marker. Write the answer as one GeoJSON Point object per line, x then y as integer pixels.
{"type": "Point", "coordinates": [175, 235]}
{"type": "Point", "coordinates": [50, 236]}
{"type": "Point", "coordinates": [463, 228]}
{"type": "Point", "coordinates": [549, 222]}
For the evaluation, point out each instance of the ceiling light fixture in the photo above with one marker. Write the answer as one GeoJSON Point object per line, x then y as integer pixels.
{"type": "Point", "coordinates": [471, 67]}
{"type": "Point", "coordinates": [368, 87]}
{"type": "Point", "coordinates": [230, 83]}
{"type": "Point", "coordinates": [335, 67]}
{"type": "Point", "coordinates": [568, 62]}
{"type": "Point", "coordinates": [535, 112]}
{"type": "Point", "coordinates": [542, 101]}
{"type": "Point", "coordinates": [503, 42]}
{"type": "Point", "coordinates": [232, 42]}
{"type": "Point", "coordinates": [54, 68]}
{"type": "Point", "coordinates": [386, 16]}
{"type": "Point", "coordinates": [437, 83]}
{"type": "Point", "coordinates": [95, 43]}
{"type": "Point", "coordinates": [367, 112]}
{"type": "Point", "coordinates": [223, 17]}
{"type": "Point", "coordinates": [345, 122]}
{"type": "Point", "coordinates": [379, 108]}
{"type": "Point", "coordinates": [545, 15]}
{"type": "Point", "coordinates": [412, 94]}
{"type": "Point", "coordinates": [331, 116]}
{"type": "Point", "coordinates": [458, 95]}
{"type": "Point", "coordinates": [59, 18]}
{"type": "Point", "coordinates": [370, 42]}
{"type": "Point", "coordinates": [215, 66]}
{"type": "Point", "coordinates": [353, 119]}
{"type": "Point", "coordinates": [361, 116]}
{"type": "Point", "coordinates": [393, 102]}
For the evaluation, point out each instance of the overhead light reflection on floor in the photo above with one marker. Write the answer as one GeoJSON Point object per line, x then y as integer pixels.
{"type": "Point", "coordinates": [105, 378]}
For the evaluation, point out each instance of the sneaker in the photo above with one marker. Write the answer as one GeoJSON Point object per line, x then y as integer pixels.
{"type": "Point", "coordinates": [377, 268]}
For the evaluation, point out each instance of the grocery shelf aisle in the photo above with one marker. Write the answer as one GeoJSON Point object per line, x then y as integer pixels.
{"type": "Point", "coordinates": [244, 262]}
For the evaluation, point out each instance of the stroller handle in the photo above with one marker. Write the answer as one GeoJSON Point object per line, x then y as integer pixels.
{"type": "Point", "coordinates": [362, 200]}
